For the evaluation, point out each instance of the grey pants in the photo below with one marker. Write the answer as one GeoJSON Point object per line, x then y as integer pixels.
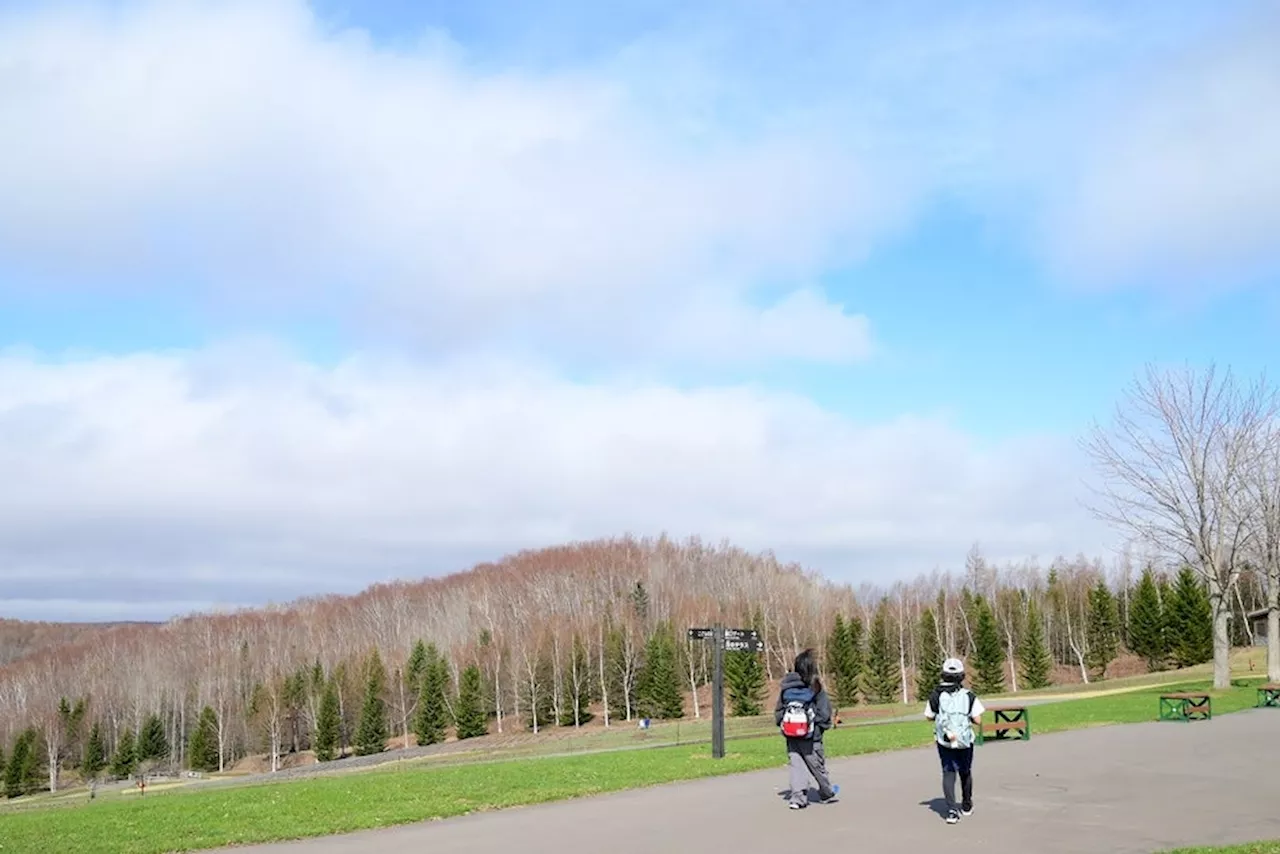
{"type": "Point", "coordinates": [807, 759]}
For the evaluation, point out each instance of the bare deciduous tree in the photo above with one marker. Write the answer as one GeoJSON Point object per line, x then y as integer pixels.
{"type": "Point", "coordinates": [1265, 481]}
{"type": "Point", "coordinates": [1175, 465]}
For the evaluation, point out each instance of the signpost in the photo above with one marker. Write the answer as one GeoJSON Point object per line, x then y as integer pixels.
{"type": "Point", "coordinates": [733, 640]}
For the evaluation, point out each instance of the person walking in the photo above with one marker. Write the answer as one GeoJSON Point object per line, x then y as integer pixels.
{"type": "Point", "coordinates": [803, 713]}
{"type": "Point", "coordinates": [954, 710]}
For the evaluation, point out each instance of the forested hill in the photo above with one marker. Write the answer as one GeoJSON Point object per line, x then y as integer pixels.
{"type": "Point", "coordinates": [559, 637]}
{"type": "Point", "coordinates": [20, 638]}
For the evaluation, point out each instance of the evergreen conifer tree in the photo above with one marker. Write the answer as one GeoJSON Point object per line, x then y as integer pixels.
{"type": "Point", "coordinates": [1102, 630]}
{"type": "Point", "coordinates": [1147, 635]}
{"type": "Point", "coordinates": [843, 660]}
{"type": "Point", "coordinates": [152, 743]}
{"type": "Point", "coordinates": [433, 705]}
{"type": "Point", "coordinates": [471, 716]}
{"type": "Point", "coordinates": [1033, 653]}
{"type": "Point", "coordinates": [202, 746]}
{"type": "Point", "coordinates": [881, 671]}
{"type": "Point", "coordinates": [95, 753]}
{"type": "Point", "coordinates": [744, 678]}
{"type": "Point", "coordinates": [21, 774]}
{"type": "Point", "coordinates": [929, 665]}
{"type": "Point", "coordinates": [1190, 620]}
{"type": "Point", "coordinates": [416, 666]}
{"type": "Point", "coordinates": [658, 685]}
{"type": "Point", "coordinates": [328, 724]}
{"type": "Point", "coordinates": [371, 733]}
{"type": "Point", "coordinates": [988, 653]}
{"type": "Point", "coordinates": [2, 764]}
{"type": "Point", "coordinates": [125, 760]}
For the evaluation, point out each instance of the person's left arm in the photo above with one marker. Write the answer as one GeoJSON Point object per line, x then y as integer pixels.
{"type": "Point", "coordinates": [822, 711]}
{"type": "Point", "coordinates": [976, 710]}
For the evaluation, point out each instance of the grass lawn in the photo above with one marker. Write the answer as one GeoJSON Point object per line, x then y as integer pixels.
{"type": "Point", "coordinates": [1272, 847]}
{"type": "Point", "coordinates": [184, 820]}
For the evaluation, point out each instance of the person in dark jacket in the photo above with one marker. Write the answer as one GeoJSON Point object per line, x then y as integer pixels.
{"type": "Point", "coordinates": [806, 756]}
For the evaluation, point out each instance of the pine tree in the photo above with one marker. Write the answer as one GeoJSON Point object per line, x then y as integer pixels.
{"type": "Point", "coordinates": [988, 652]}
{"type": "Point", "coordinates": [416, 666]}
{"type": "Point", "coordinates": [202, 746]}
{"type": "Point", "coordinates": [328, 724]}
{"type": "Point", "coordinates": [745, 680]}
{"type": "Point", "coordinates": [658, 685]}
{"type": "Point", "coordinates": [1147, 636]}
{"type": "Point", "coordinates": [1033, 653]}
{"type": "Point", "coordinates": [881, 671]}
{"type": "Point", "coordinates": [472, 719]}
{"type": "Point", "coordinates": [1190, 620]}
{"type": "Point", "coordinates": [22, 773]}
{"type": "Point", "coordinates": [152, 743]}
{"type": "Point", "coordinates": [125, 760]}
{"type": "Point", "coordinates": [2, 765]}
{"type": "Point", "coordinates": [1102, 630]}
{"type": "Point", "coordinates": [929, 665]}
{"type": "Point", "coordinates": [371, 734]}
{"type": "Point", "coordinates": [843, 664]}
{"type": "Point", "coordinates": [433, 706]}
{"type": "Point", "coordinates": [13, 773]}
{"type": "Point", "coordinates": [95, 753]}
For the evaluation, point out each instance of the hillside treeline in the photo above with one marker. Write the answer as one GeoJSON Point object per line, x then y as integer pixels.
{"type": "Point", "coordinates": [587, 634]}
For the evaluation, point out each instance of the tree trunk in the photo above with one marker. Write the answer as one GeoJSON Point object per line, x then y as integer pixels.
{"type": "Point", "coordinates": [1013, 664]}
{"type": "Point", "coordinates": [902, 656]}
{"type": "Point", "coordinates": [693, 678]}
{"type": "Point", "coordinates": [1221, 641]}
{"type": "Point", "coordinates": [52, 748]}
{"type": "Point", "coordinates": [604, 681]}
{"type": "Point", "coordinates": [1273, 624]}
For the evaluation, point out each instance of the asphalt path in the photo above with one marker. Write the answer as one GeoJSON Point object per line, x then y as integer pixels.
{"type": "Point", "coordinates": [1133, 788]}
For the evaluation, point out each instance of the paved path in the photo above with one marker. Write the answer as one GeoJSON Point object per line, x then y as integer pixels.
{"type": "Point", "coordinates": [1137, 788]}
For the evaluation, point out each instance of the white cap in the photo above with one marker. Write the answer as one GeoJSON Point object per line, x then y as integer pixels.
{"type": "Point", "coordinates": [953, 666]}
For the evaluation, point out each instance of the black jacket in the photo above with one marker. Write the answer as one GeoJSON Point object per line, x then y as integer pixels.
{"type": "Point", "coordinates": [821, 707]}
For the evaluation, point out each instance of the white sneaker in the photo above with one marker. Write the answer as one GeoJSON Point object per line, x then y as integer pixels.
{"type": "Point", "coordinates": [952, 817]}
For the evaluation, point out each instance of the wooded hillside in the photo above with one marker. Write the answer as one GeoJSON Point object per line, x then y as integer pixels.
{"type": "Point", "coordinates": [591, 632]}
{"type": "Point", "coordinates": [20, 638]}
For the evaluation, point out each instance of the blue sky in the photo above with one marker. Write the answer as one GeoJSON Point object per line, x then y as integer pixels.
{"type": "Point", "coordinates": [298, 297]}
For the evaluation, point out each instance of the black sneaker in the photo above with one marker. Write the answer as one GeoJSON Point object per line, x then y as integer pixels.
{"type": "Point", "coordinates": [831, 798]}
{"type": "Point", "coordinates": [952, 817]}
{"type": "Point", "coordinates": [796, 806]}
{"type": "Point", "coordinates": [966, 809]}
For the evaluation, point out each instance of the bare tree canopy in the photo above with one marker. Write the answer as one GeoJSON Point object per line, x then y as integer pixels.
{"type": "Point", "coordinates": [1176, 464]}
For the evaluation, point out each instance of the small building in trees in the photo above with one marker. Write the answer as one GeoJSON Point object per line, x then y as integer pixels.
{"type": "Point", "coordinates": [1258, 622]}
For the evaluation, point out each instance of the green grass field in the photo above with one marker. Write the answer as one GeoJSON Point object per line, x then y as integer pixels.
{"type": "Point", "coordinates": [191, 819]}
{"type": "Point", "coordinates": [1272, 847]}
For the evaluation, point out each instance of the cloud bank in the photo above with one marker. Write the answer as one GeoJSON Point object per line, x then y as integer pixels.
{"type": "Point", "coordinates": [155, 477]}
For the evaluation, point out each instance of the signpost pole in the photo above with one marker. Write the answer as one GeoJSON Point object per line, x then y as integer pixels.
{"type": "Point", "coordinates": [717, 695]}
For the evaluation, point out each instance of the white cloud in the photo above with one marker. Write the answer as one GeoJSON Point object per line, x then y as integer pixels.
{"type": "Point", "coordinates": [244, 149]}
{"type": "Point", "coordinates": [1173, 174]}
{"type": "Point", "coordinates": [210, 475]}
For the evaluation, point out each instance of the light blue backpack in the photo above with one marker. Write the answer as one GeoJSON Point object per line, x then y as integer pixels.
{"type": "Point", "coordinates": [954, 709]}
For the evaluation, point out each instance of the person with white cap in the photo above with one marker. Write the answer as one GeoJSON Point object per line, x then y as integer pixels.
{"type": "Point", "coordinates": [954, 710]}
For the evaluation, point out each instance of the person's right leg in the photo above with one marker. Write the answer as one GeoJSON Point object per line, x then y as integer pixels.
{"type": "Point", "coordinates": [816, 760]}
{"type": "Point", "coordinates": [949, 771]}
{"type": "Point", "coordinates": [799, 773]}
